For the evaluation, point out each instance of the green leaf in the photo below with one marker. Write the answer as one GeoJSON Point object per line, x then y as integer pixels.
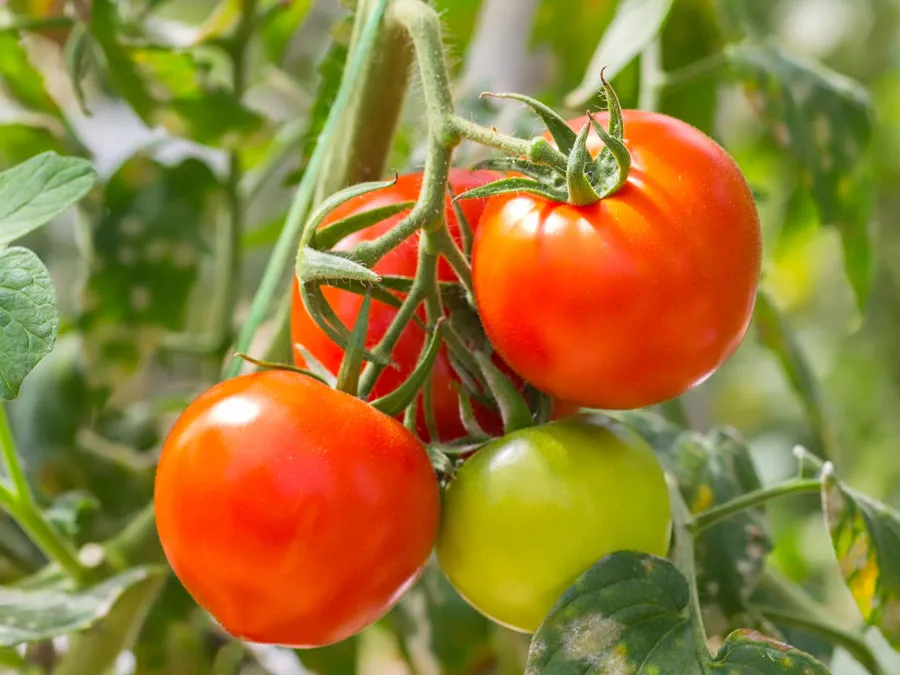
{"type": "Point", "coordinates": [635, 25]}
{"type": "Point", "coordinates": [19, 142]}
{"type": "Point", "coordinates": [29, 317]}
{"type": "Point", "coordinates": [70, 512]}
{"type": "Point", "coordinates": [21, 79]}
{"type": "Point", "coordinates": [96, 650]}
{"type": "Point", "coordinates": [712, 469]}
{"type": "Point", "coordinates": [330, 235]}
{"type": "Point", "coordinates": [34, 192]}
{"type": "Point", "coordinates": [513, 407]}
{"type": "Point", "coordinates": [825, 121]}
{"type": "Point", "coordinates": [282, 25]}
{"type": "Point", "coordinates": [628, 615]}
{"type": "Point", "coordinates": [41, 614]}
{"type": "Point", "coordinates": [866, 538]}
{"type": "Point", "coordinates": [144, 258]}
{"type": "Point", "coordinates": [776, 335]}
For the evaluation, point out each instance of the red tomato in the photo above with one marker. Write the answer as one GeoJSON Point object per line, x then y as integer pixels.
{"type": "Point", "coordinates": [635, 299]}
{"type": "Point", "coordinates": [401, 261]}
{"type": "Point", "coordinates": [294, 513]}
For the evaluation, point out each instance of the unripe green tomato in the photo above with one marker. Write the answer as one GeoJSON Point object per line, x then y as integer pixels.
{"type": "Point", "coordinates": [533, 510]}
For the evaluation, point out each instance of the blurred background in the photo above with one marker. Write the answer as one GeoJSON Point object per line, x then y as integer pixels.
{"type": "Point", "coordinates": [136, 267]}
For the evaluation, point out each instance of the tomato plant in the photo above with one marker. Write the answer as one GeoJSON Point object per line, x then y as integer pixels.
{"type": "Point", "coordinates": [531, 511]}
{"type": "Point", "coordinates": [381, 474]}
{"type": "Point", "coordinates": [636, 298]}
{"type": "Point", "coordinates": [269, 493]}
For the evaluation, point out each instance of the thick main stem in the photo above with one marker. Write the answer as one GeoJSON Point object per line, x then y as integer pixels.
{"type": "Point", "coordinates": [359, 148]}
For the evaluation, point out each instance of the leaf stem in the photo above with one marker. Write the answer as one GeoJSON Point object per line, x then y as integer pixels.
{"type": "Point", "coordinates": [706, 519]}
{"type": "Point", "coordinates": [12, 463]}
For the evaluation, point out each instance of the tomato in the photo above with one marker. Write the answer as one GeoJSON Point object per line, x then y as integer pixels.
{"type": "Point", "coordinates": [402, 261]}
{"type": "Point", "coordinates": [532, 511]}
{"type": "Point", "coordinates": [635, 299]}
{"type": "Point", "coordinates": [294, 513]}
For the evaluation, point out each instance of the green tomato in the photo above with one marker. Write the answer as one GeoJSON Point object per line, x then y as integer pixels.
{"type": "Point", "coordinates": [531, 511]}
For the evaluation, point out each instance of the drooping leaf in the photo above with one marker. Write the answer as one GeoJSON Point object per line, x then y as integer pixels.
{"type": "Point", "coordinates": [628, 615]}
{"type": "Point", "coordinates": [96, 650]}
{"type": "Point", "coordinates": [635, 24]}
{"type": "Point", "coordinates": [824, 120]}
{"type": "Point", "coordinates": [21, 79]}
{"type": "Point", "coordinates": [29, 317]}
{"type": "Point", "coordinates": [35, 191]}
{"type": "Point", "coordinates": [145, 254]}
{"type": "Point", "coordinates": [41, 614]}
{"type": "Point", "coordinates": [866, 538]}
{"type": "Point", "coordinates": [775, 334]}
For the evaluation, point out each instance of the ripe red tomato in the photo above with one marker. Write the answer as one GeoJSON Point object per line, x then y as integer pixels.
{"type": "Point", "coordinates": [531, 511]}
{"type": "Point", "coordinates": [401, 261]}
{"type": "Point", "coordinates": [292, 512]}
{"type": "Point", "coordinates": [635, 299]}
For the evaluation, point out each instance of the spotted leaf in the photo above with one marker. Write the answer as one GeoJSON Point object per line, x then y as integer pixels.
{"type": "Point", "coordinates": [866, 538]}
{"type": "Point", "coordinates": [825, 121]}
{"type": "Point", "coordinates": [629, 615]}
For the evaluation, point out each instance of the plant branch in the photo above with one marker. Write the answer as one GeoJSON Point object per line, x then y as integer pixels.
{"type": "Point", "coordinates": [706, 519]}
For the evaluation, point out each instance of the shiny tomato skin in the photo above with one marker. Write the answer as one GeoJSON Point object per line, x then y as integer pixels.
{"type": "Point", "coordinates": [295, 514]}
{"type": "Point", "coordinates": [633, 300]}
{"type": "Point", "coordinates": [530, 512]}
{"type": "Point", "coordinates": [402, 261]}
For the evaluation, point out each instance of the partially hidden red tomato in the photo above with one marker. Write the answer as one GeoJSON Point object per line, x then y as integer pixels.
{"type": "Point", "coordinates": [294, 513]}
{"type": "Point", "coordinates": [635, 299]}
{"type": "Point", "coordinates": [402, 261]}
{"type": "Point", "coordinates": [531, 511]}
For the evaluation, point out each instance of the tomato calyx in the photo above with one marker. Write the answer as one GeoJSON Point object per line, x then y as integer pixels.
{"type": "Point", "coordinates": [271, 365]}
{"type": "Point", "coordinates": [585, 179]}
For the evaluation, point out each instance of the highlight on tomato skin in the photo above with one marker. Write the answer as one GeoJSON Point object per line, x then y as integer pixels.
{"type": "Point", "coordinates": [295, 514]}
{"type": "Point", "coordinates": [530, 512]}
{"type": "Point", "coordinates": [637, 298]}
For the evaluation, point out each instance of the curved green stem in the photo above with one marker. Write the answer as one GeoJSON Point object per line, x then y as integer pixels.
{"type": "Point", "coordinates": [706, 519]}
{"type": "Point", "coordinates": [280, 259]}
{"type": "Point", "coordinates": [11, 462]}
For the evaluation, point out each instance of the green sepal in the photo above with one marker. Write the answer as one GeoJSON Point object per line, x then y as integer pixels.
{"type": "Point", "coordinates": [440, 462]}
{"type": "Point", "coordinates": [562, 134]}
{"type": "Point", "coordinates": [313, 265]}
{"type": "Point", "coordinates": [348, 375]}
{"type": "Point", "coordinates": [507, 185]}
{"type": "Point", "coordinates": [311, 226]}
{"type": "Point", "coordinates": [465, 227]}
{"type": "Point", "coordinates": [540, 172]}
{"type": "Point", "coordinates": [316, 367]}
{"type": "Point", "coordinates": [579, 173]}
{"type": "Point", "coordinates": [513, 408]}
{"type": "Point", "coordinates": [467, 414]}
{"type": "Point", "coordinates": [403, 396]}
{"type": "Point", "coordinates": [613, 163]}
{"type": "Point", "coordinates": [325, 318]}
{"type": "Point", "coordinates": [268, 365]}
{"type": "Point", "coordinates": [428, 410]}
{"type": "Point", "coordinates": [327, 237]}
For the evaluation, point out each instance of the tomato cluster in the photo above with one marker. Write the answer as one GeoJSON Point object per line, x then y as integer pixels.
{"type": "Point", "coordinates": [298, 514]}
